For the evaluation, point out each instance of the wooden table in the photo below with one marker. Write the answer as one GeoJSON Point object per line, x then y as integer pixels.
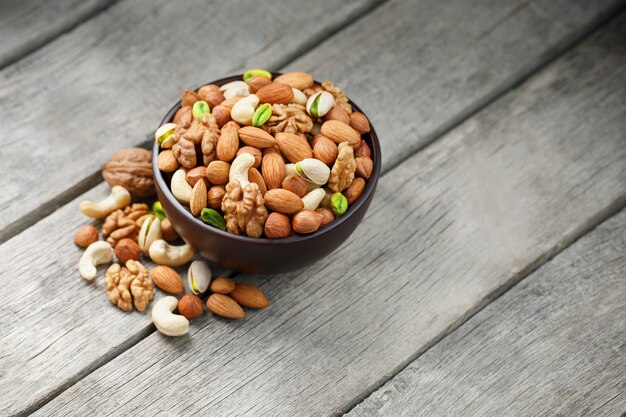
{"type": "Point", "coordinates": [488, 278]}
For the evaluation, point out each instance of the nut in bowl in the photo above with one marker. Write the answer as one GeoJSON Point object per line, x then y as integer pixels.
{"type": "Point", "coordinates": [297, 152]}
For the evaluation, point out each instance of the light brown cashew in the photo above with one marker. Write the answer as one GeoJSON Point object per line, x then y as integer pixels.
{"type": "Point", "coordinates": [313, 199]}
{"type": "Point", "coordinates": [166, 322]}
{"type": "Point", "coordinates": [180, 187]}
{"type": "Point", "coordinates": [163, 253]}
{"type": "Point", "coordinates": [97, 253]}
{"type": "Point", "coordinates": [150, 231]}
{"type": "Point", "coordinates": [119, 198]}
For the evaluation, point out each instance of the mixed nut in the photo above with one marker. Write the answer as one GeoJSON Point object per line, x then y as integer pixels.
{"type": "Point", "coordinates": [266, 156]}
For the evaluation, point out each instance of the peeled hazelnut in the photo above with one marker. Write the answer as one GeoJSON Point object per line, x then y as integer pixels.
{"type": "Point", "coordinates": [338, 113]}
{"type": "Point", "coordinates": [364, 166]}
{"type": "Point", "coordinates": [189, 98]}
{"type": "Point", "coordinates": [222, 115]}
{"type": "Point", "coordinates": [168, 233]}
{"type": "Point", "coordinates": [362, 150]}
{"type": "Point", "coordinates": [85, 236]}
{"type": "Point", "coordinates": [354, 191]}
{"type": "Point", "coordinates": [211, 94]}
{"type": "Point", "coordinates": [190, 306]}
{"type": "Point", "coordinates": [277, 226]}
{"type": "Point", "coordinates": [257, 82]}
{"type": "Point", "coordinates": [296, 184]}
{"type": "Point", "coordinates": [258, 156]}
{"type": "Point", "coordinates": [306, 221]}
{"type": "Point", "coordinates": [215, 197]}
{"type": "Point", "coordinates": [196, 174]}
{"type": "Point", "coordinates": [127, 249]}
{"type": "Point", "coordinates": [327, 215]}
{"type": "Point", "coordinates": [325, 150]}
{"type": "Point", "coordinates": [167, 162]}
{"type": "Point", "coordinates": [359, 122]}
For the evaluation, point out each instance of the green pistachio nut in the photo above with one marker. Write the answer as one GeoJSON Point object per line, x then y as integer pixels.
{"type": "Point", "coordinates": [250, 74]}
{"type": "Point", "coordinates": [339, 204]}
{"type": "Point", "coordinates": [262, 115]}
{"type": "Point", "coordinates": [164, 132]}
{"type": "Point", "coordinates": [199, 108]}
{"type": "Point", "coordinates": [213, 218]}
{"type": "Point", "coordinates": [158, 211]}
{"type": "Point", "coordinates": [314, 106]}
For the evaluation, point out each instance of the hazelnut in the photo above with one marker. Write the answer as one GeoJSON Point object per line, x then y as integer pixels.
{"type": "Point", "coordinates": [277, 226]}
{"type": "Point", "coordinates": [215, 197]}
{"type": "Point", "coordinates": [127, 249]}
{"type": "Point", "coordinates": [354, 191]}
{"type": "Point", "coordinates": [362, 149]}
{"type": "Point", "coordinates": [167, 230]}
{"type": "Point", "coordinates": [221, 114]}
{"type": "Point", "coordinates": [327, 215]}
{"type": "Point", "coordinates": [196, 174]}
{"type": "Point", "coordinates": [364, 166]}
{"type": "Point", "coordinates": [190, 306]}
{"type": "Point", "coordinates": [296, 184]}
{"type": "Point", "coordinates": [211, 94]}
{"type": "Point", "coordinates": [167, 162]}
{"type": "Point", "coordinates": [359, 122]}
{"type": "Point", "coordinates": [306, 221]}
{"type": "Point", "coordinates": [85, 236]}
{"type": "Point", "coordinates": [180, 113]}
{"type": "Point", "coordinates": [189, 98]}
{"type": "Point", "coordinates": [258, 156]}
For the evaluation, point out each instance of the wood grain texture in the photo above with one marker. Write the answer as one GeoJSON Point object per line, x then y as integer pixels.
{"type": "Point", "coordinates": [55, 326]}
{"type": "Point", "coordinates": [27, 25]}
{"type": "Point", "coordinates": [107, 84]}
{"type": "Point", "coordinates": [552, 345]}
{"type": "Point", "coordinates": [451, 227]}
{"type": "Point", "coordinates": [122, 70]}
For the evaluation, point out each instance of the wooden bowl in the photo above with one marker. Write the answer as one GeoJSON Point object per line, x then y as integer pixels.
{"type": "Point", "coordinates": [262, 255]}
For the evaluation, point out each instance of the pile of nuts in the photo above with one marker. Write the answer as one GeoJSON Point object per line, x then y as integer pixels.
{"type": "Point", "coordinates": [266, 157]}
{"type": "Point", "coordinates": [131, 231]}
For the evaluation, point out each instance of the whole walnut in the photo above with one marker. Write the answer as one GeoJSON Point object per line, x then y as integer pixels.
{"type": "Point", "coordinates": [132, 169]}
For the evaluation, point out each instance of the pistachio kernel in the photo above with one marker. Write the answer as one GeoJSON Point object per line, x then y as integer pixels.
{"type": "Point", "coordinates": [262, 115]}
{"type": "Point", "coordinates": [158, 211]}
{"type": "Point", "coordinates": [213, 218]}
{"type": "Point", "coordinates": [250, 74]}
{"type": "Point", "coordinates": [199, 108]}
{"type": "Point", "coordinates": [339, 204]}
{"type": "Point", "coordinates": [164, 132]}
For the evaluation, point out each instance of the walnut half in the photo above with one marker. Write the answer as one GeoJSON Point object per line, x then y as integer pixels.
{"type": "Point", "coordinates": [129, 284]}
{"type": "Point", "coordinates": [342, 174]}
{"type": "Point", "coordinates": [244, 209]}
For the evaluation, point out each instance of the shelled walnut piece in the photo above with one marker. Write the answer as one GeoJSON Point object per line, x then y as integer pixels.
{"type": "Point", "coordinates": [129, 284]}
{"type": "Point", "coordinates": [124, 223]}
{"type": "Point", "coordinates": [244, 209]}
{"type": "Point", "coordinates": [290, 118]}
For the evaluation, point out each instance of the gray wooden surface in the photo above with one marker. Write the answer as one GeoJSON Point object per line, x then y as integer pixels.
{"type": "Point", "coordinates": [552, 345]}
{"type": "Point", "coordinates": [453, 65]}
{"type": "Point", "coordinates": [471, 215]}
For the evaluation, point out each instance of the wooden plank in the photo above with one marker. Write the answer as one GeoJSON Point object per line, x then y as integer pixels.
{"type": "Point", "coordinates": [453, 64]}
{"type": "Point", "coordinates": [553, 345]}
{"type": "Point", "coordinates": [451, 227]}
{"type": "Point", "coordinates": [107, 84]}
{"type": "Point", "coordinates": [27, 25]}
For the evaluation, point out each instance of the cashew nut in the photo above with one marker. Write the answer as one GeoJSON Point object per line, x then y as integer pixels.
{"type": "Point", "coordinates": [119, 198]}
{"type": "Point", "coordinates": [235, 89]}
{"type": "Point", "coordinates": [150, 231]}
{"type": "Point", "coordinates": [298, 97]}
{"type": "Point", "coordinates": [180, 187]}
{"type": "Point", "coordinates": [97, 253]}
{"type": "Point", "coordinates": [166, 321]}
{"type": "Point", "coordinates": [290, 169]}
{"type": "Point", "coordinates": [313, 199]}
{"type": "Point", "coordinates": [243, 110]}
{"type": "Point", "coordinates": [163, 253]}
{"type": "Point", "coordinates": [239, 169]}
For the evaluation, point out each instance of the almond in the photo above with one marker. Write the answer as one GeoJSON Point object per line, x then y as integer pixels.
{"type": "Point", "coordinates": [283, 201]}
{"type": "Point", "coordinates": [258, 157]}
{"type": "Point", "coordinates": [189, 98]}
{"type": "Point", "coordinates": [359, 122]}
{"type": "Point", "coordinates": [224, 306]}
{"type": "Point", "coordinates": [299, 80]}
{"type": "Point", "coordinates": [217, 172]}
{"type": "Point", "coordinates": [198, 198]}
{"type": "Point", "coordinates": [215, 197]}
{"type": "Point", "coordinates": [338, 113]}
{"type": "Point", "coordinates": [222, 285]}
{"type": "Point", "coordinates": [256, 83]}
{"type": "Point", "coordinates": [362, 150]}
{"type": "Point", "coordinates": [196, 174]}
{"type": "Point", "coordinates": [190, 306]}
{"type": "Point", "coordinates": [249, 296]}
{"type": "Point", "coordinates": [211, 94]}
{"type": "Point", "coordinates": [228, 142]}
{"type": "Point", "coordinates": [306, 221]}
{"type": "Point", "coordinates": [253, 136]}
{"type": "Point", "coordinates": [277, 226]}
{"type": "Point", "coordinates": [364, 166]}
{"type": "Point", "coordinates": [273, 170]}
{"type": "Point", "coordinates": [85, 236]}
{"type": "Point", "coordinates": [275, 93]}
{"type": "Point", "coordinates": [296, 184]}
{"type": "Point", "coordinates": [127, 249]}
{"type": "Point", "coordinates": [222, 115]}
{"type": "Point", "coordinates": [167, 162]}
{"type": "Point", "coordinates": [327, 215]}
{"type": "Point", "coordinates": [325, 150]}
{"type": "Point", "coordinates": [295, 148]}
{"type": "Point", "coordinates": [354, 191]}
{"type": "Point", "coordinates": [167, 279]}
{"type": "Point", "coordinates": [340, 132]}
{"type": "Point", "coordinates": [255, 176]}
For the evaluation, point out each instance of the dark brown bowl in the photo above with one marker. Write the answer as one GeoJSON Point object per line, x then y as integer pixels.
{"type": "Point", "coordinates": [261, 255]}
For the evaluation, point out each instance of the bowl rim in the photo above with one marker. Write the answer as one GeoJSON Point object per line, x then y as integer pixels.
{"type": "Point", "coordinates": [167, 192]}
